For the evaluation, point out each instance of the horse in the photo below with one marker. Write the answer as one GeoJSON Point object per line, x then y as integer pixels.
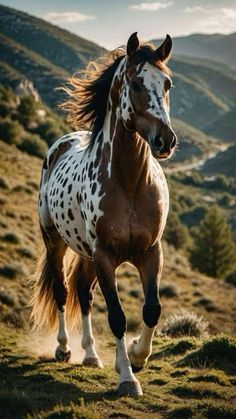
{"type": "Point", "coordinates": [103, 195]}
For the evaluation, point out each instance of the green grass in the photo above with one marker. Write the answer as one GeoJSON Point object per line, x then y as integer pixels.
{"type": "Point", "coordinates": [40, 387]}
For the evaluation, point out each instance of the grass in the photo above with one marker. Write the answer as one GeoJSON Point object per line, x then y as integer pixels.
{"type": "Point", "coordinates": [35, 387]}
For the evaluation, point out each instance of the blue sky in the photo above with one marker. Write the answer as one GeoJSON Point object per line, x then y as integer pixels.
{"type": "Point", "coordinates": [109, 23]}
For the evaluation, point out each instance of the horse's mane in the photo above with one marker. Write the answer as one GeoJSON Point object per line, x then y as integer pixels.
{"type": "Point", "coordinates": [88, 90]}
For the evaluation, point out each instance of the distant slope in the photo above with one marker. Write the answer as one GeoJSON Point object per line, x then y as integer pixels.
{"type": "Point", "coordinates": [216, 47]}
{"type": "Point", "coordinates": [57, 45]}
{"type": "Point", "coordinates": [223, 163]}
{"type": "Point", "coordinates": [193, 143]}
{"type": "Point", "coordinates": [202, 91]}
{"type": "Point", "coordinates": [43, 53]}
{"type": "Point", "coordinates": [224, 127]}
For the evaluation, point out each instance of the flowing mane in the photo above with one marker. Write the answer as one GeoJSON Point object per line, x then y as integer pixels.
{"type": "Point", "coordinates": [88, 90]}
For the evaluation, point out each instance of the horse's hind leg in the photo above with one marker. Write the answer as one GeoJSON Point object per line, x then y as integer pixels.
{"type": "Point", "coordinates": [85, 280]}
{"type": "Point", "coordinates": [150, 268]}
{"type": "Point", "coordinates": [56, 249]}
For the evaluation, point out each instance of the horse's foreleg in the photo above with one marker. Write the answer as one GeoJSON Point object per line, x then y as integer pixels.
{"type": "Point", "coordinates": [150, 268]}
{"type": "Point", "coordinates": [105, 266]}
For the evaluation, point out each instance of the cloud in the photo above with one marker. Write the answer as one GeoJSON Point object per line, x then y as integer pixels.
{"type": "Point", "coordinates": [59, 17]}
{"type": "Point", "coordinates": [150, 7]}
{"type": "Point", "coordinates": [193, 9]}
{"type": "Point", "coordinates": [222, 19]}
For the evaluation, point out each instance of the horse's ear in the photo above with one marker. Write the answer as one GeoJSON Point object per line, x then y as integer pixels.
{"type": "Point", "coordinates": [132, 45]}
{"type": "Point", "coordinates": [163, 52]}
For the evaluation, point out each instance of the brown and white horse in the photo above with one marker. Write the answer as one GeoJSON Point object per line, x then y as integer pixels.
{"type": "Point", "coordinates": [104, 195]}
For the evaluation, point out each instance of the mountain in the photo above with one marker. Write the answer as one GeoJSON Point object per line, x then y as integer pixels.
{"type": "Point", "coordinates": [43, 53]}
{"type": "Point", "coordinates": [224, 126]}
{"type": "Point", "coordinates": [216, 47]}
{"type": "Point", "coordinates": [46, 55]}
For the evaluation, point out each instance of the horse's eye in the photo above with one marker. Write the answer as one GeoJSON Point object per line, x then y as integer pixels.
{"type": "Point", "coordinates": [135, 86]}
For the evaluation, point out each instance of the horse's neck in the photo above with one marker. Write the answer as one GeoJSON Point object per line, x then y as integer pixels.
{"type": "Point", "coordinates": [130, 158]}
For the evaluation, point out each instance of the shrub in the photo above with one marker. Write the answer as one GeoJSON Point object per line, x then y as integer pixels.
{"type": "Point", "coordinates": [33, 145]}
{"type": "Point", "coordinates": [185, 324]}
{"type": "Point", "coordinates": [219, 351]}
{"type": "Point", "coordinates": [231, 278]}
{"type": "Point", "coordinates": [3, 183]}
{"type": "Point", "coordinates": [7, 297]}
{"type": "Point", "coordinates": [175, 232]}
{"type": "Point", "coordinates": [9, 271]}
{"type": "Point", "coordinates": [168, 290]}
{"type": "Point", "coordinates": [11, 238]}
{"type": "Point", "coordinates": [10, 131]}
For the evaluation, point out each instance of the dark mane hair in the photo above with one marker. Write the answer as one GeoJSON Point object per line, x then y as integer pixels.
{"type": "Point", "coordinates": [88, 91]}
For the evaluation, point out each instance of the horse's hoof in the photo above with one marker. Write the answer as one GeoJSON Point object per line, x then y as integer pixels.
{"type": "Point", "coordinates": [136, 369]}
{"type": "Point", "coordinates": [62, 356]}
{"type": "Point", "coordinates": [130, 388]}
{"type": "Point", "coordinates": [93, 362]}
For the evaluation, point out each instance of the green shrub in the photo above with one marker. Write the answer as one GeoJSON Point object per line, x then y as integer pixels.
{"type": "Point", "coordinates": [9, 271]}
{"type": "Point", "coordinates": [10, 131]}
{"type": "Point", "coordinates": [7, 297]}
{"type": "Point", "coordinates": [231, 278]}
{"type": "Point", "coordinates": [33, 145]}
{"type": "Point", "coordinates": [219, 351]}
{"type": "Point", "coordinates": [11, 238]}
{"type": "Point", "coordinates": [168, 290]}
{"type": "Point", "coordinates": [185, 324]}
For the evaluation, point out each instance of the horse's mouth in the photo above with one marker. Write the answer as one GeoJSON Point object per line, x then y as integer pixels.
{"type": "Point", "coordinates": [161, 156]}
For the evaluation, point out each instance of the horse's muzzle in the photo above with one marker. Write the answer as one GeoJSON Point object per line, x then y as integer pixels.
{"type": "Point", "coordinates": [162, 147]}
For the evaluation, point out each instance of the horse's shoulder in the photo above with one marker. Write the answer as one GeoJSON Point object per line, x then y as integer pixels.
{"type": "Point", "coordinates": [80, 139]}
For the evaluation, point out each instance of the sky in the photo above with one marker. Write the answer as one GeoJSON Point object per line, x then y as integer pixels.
{"type": "Point", "coordinates": [109, 23]}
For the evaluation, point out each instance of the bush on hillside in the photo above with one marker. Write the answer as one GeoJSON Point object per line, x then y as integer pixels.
{"type": "Point", "coordinates": [10, 131]}
{"type": "Point", "coordinates": [27, 110]}
{"type": "Point", "coordinates": [176, 233]}
{"type": "Point", "coordinates": [185, 324]}
{"type": "Point", "coordinates": [33, 145]}
{"type": "Point", "coordinates": [219, 351]}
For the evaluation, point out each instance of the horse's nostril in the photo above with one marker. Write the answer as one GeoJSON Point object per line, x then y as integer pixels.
{"type": "Point", "coordinates": [159, 143]}
{"type": "Point", "coordinates": [173, 141]}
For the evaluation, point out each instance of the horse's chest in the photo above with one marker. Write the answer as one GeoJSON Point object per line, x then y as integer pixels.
{"type": "Point", "coordinates": [130, 226]}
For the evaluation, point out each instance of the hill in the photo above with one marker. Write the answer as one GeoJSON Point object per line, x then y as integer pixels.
{"type": "Point", "coordinates": [47, 55]}
{"type": "Point", "coordinates": [20, 244]}
{"type": "Point", "coordinates": [223, 127]}
{"type": "Point", "coordinates": [216, 47]}
{"type": "Point", "coordinates": [43, 53]}
{"type": "Point", "coordinates": [185, 378]}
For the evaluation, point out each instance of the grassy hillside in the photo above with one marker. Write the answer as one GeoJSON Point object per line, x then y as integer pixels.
{"type": "Point", "coordinates": [223, 163]}
{"type": "Point", "coordinates": [216, 47]}
{"type": "Point", "coordinates": [185, 378]}
{"type": "Point", "coordinates": [20, 244]}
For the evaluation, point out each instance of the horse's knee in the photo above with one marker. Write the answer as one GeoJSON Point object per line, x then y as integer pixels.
{"type": "Point", "coordinates": [151, 314]}
{"type": "Point", "coordinates": [117, 322]}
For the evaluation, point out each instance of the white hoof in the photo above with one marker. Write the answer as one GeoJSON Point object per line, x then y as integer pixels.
{"type": "Point", "coordinates": [130, 388]}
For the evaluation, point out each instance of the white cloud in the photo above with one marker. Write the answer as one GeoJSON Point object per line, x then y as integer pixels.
{"type": "Point", "coordinates": [62, 17]}
{"type": "Point", "coordinates": [150, 7]}
{"type": "Point", "coordinates": [193, 9]}
{"type": "Point", "coordinates": [218, 19]}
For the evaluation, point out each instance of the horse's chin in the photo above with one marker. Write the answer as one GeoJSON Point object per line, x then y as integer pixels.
{"type": "Point", "coordinates": [161, 156]}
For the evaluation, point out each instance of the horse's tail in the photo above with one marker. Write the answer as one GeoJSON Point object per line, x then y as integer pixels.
{"type": "Point", "coordinates": [43, 305]}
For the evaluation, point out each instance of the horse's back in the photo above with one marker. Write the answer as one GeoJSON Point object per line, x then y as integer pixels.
{"type": "Point", "coordinates": [62, 185]}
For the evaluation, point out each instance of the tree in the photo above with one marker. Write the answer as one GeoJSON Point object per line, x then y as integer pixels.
{"type": "Point", "coordinates": [175, 232]}
{"type": "Point", "coordinates": [214, 251]}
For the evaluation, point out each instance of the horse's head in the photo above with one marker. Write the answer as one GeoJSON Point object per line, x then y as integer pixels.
{"type": "Point", "coordinates": [145, 95]}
